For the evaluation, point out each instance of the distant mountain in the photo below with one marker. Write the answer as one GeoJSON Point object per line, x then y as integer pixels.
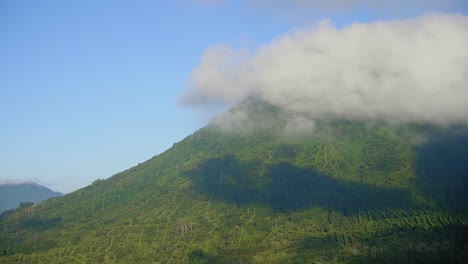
{"type": "Point", "coordinates": [260, 185]}
{"type": "Point", "coordinates": [11, 195]}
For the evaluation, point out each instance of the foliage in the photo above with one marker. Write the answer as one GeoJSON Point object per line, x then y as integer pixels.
{"type": "Point", "coordinates": [349, 192]}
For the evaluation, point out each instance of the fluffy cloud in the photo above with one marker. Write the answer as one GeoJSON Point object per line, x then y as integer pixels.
{"type": "Point", "coordinates": [401, 71]}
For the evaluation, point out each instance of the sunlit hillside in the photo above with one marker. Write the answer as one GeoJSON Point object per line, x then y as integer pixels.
{"type": "Point", "coordinates": [344, 191]}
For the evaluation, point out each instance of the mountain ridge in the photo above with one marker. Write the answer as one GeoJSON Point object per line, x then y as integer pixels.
{"type": "Point", "coordinates": [338, 191]}
{"type": "Point", "coordinates": [13, 194]}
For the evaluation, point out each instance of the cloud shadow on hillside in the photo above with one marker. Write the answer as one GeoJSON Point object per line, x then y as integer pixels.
{"type": "Point", "coordinates": [442, 167]}
{"type": "Point", "coordinates": [284, 187]}
{"type": "Point", "coordinates": [434, 245]}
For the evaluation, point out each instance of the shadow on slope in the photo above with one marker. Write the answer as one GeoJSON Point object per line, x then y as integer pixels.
{"type": "Point", "coordinates": [442, 168]}
{"type": "Point", "coordinates": [430, 245]}
{"type": "Point", "coordinates": [285, 187]}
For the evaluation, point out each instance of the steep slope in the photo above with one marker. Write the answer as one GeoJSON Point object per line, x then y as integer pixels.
{"type": "Point", "coordinates": [11, 195]}
{"type": "Point", "coordinates": [251, 190]}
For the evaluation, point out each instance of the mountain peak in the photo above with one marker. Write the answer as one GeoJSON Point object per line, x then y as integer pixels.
{"type": "Point", "coordinates": [243, 190]}
{"type": "Point", "coordinates": [12, 193]}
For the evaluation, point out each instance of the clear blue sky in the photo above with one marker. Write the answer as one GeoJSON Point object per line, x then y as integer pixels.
{"type": "Point", "coordinates": [91, 88]}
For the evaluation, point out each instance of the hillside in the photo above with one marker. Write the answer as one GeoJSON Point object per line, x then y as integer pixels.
{"type": "Point", "coordinates": [11, 195]}
{"type": "Point", "coordinates": [255, 191]}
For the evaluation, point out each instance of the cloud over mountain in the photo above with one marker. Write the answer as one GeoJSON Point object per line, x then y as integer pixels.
{"type": "Point", "coordinates": [402, 71]}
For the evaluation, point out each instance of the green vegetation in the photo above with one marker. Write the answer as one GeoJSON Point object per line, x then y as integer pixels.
{"type": "Point", "coordinates": [347, 193]}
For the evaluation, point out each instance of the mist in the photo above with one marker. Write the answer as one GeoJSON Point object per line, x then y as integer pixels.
{"type": "Point", "coordinates": [413, 70]}
{"type": "Point", "coordinates": [16, 181]}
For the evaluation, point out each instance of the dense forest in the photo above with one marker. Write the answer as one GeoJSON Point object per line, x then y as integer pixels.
{"type": "Point", "coordinates": [346, 191]}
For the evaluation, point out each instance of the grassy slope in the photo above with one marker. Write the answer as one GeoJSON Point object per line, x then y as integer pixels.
{"type": "Point", "coordinates": [349, 193]}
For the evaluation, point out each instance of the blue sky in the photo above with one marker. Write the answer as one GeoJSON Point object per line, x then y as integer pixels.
{"type": "Point", "coordinates": [91, 88]}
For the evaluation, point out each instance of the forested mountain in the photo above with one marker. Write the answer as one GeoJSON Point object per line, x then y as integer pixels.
{"type": "Point", "coordinates": [252, 188]}
{"type": "Point", "coordinates": [11, 195]}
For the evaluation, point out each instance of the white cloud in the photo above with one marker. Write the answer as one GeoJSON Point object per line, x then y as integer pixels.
{"type": "Point", "coordinates": [408, 70]}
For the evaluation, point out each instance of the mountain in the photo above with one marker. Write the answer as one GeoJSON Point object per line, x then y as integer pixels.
{"type": "Point", "coordinates": [12, 195]}
{"type": "Point", "coordinates": [261, 185]}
